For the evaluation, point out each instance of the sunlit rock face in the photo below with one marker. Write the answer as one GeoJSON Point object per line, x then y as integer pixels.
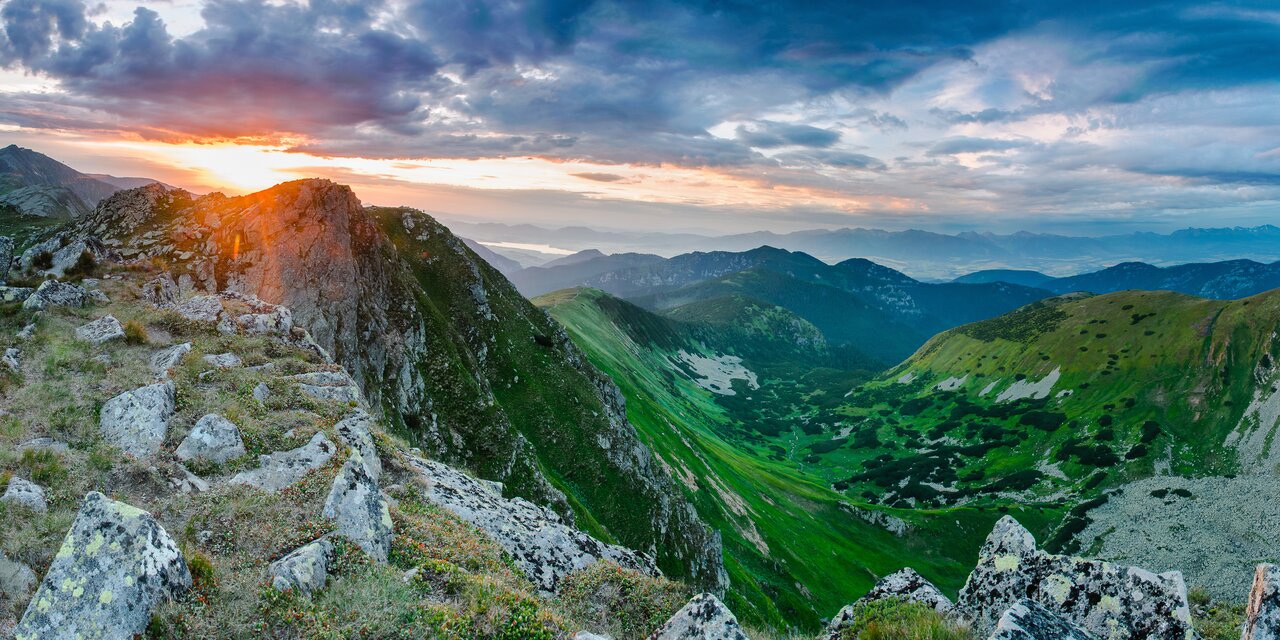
{"type": "Point", "coordinates": [438, 342]}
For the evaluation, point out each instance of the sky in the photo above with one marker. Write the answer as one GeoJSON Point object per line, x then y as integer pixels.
{"type": "Point", "coordinates": [1085, 117]}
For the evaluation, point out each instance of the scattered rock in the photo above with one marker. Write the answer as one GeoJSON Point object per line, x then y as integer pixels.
{"type": "Point", "coordinates": [356, 504]}
{"type": "Point", "coordinates": [277, 321]}
{"type": "Point", "coordinates": [201, 308]}
{"type": "Point", "coordinates": [161, 291]}
{"type": "Point", "coordinates": [186, 482]}
{"type": "Point", "coordinates": [102, 330]}
{"type": "Point", "coordinates": [223, 360]}
{"type": "Point", "coordinates": [356, 431]}
{"type": "Point", "coordinates": [587, 635]}
{"type": "Point", "coordinates": [329, 385]}
{"type": "Point", "coordinates": [544, 548]}
{"type": "Point", "coordinates": [1028, 620]}
{"type": "Point", "coordinates": [169, 357]}
{"type": "Point", "coordinates": [305, 568]}
{"type": "Point", "coordinates": [52, 293]}
{"type": "Point", "coordinates": [115, 565]}
{"type": "Point", "coordinates": [1106, 600]}
{"type": "Point", "coordinates": [27, 331]}
{"type": "Point", "coordinates": [17, 580]}
{"type": "Point", "coordinates": [44, 443]}
{"type": "Point", "coordinates": [6, 256]}
{"type": "Point", "coordinates": [1262, 616]}
{"type": "Point", "coordinates": [261, 392]}
{"type": "Point", "coordinates": [65, 256]}
{"type": "Point", "coordinates": [15, 294]}
{"type": "Point", "coordinates": [904, 584]}
{"type": "Point", "coordinates": [12, 358]}
{"type": "Point", "coordinates": [136, 421]}
{"type": "Point", "coordinates": [703, 618]}
{"type": "Point", "coordinates": [214, 438]}
{"type": "Point", "coordinates": [283, 468]}
{"type": "Point", "coordinates": [25, 493]}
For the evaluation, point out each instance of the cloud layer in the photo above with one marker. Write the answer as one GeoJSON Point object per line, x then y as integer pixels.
{"type": "Point", "coordinates": [1159, 110]}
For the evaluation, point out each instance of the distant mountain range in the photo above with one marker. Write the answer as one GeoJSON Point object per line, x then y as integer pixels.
{"type": "Point", "coordinates": [923, 254]}
{"type": "Point", "coordinates": [1227, 280]}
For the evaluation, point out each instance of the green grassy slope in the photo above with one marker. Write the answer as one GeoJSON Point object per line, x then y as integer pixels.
{"type": "Point", "coordinates": [795, 549]}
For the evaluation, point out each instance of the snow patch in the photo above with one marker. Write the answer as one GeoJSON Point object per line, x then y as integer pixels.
{"type": "Point", "coordinates": [907, 377]}
{"type": "Point", "coordinates": [989, 388]}
{"type": "Point", "coordinates": [1034, 390]}
{"type": "Point", "coordinates": [716, 374]}
{"type": "Point", "coordinates": [952, 383]}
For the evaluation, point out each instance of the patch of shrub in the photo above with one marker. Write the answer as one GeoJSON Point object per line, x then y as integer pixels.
{"type": "Point", "coordinates": [827, 446]}
{"type": "Point", "coordinates": [42, 261]}
{"type": "Point", "coordinates": [135, 333]}
{"type": "Point", "coordinates": [622, 603]}
{"type": "Point", "coordinates": [43, 466]}
{"type": "Point", "coordinates": [86, 265]}
{"type": "Point", "coordinates": [895, 619]}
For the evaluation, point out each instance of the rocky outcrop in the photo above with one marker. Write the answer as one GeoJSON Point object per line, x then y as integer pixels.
{"type": "Point", "coordinates": [356, 431]}
{"type": "Point", "coordinates": [1028, 620]}
{"type": "Point", "coordinates": [17, 580]}
{"type": "Point", "coordinates": [25, 493]}
{"type": "Point", "coordinates": [331, 386]}
{"type": "Point", "coordinates": [214, 438]}
{"type": "Point", "coordinates": [12, 358]}
{"type": "Point", "coordinates": [404, 306]}
{"type": "Point", "coordinates": [65, 252]}
{"type": "Point", "coordinates": [53, 293]}
{"type": "Point", "coordinates": [704, 618]}
{"type": "Point", "coordinates": [15, 294]}
{"type": "Point", "coordinates": [1107, 600]}
{"type": "Point", "coordinates": [104, 329]}
{"type": "Point", "coordinates": [305, 568]}
{"type": "Point", "coordinates": [136, 421]}
{"type": "Point", "coordinates": [6, 257]}
{"type": "Point", "coordinates": [115, 565]}
{"type": "Point", "coordinates": [283, 468]}
{"type": "Point", "coordinates": [222, 360]}
{"type": "Point", "coordinates": [357, 506]}
{"type": "Point", "coordinates": [1262, 613]}
{"type": "Point", "coordinates": [904, 584]}
{"type": "Point", "coordinates": [543, 546]}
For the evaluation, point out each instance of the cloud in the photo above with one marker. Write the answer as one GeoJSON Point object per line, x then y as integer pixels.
{"type": "Point", "coordinates": [768, 135]}
{"type": "Point", "coordinates": [953, 146]}
{"type": "Point", "coordinates": [599, 177]}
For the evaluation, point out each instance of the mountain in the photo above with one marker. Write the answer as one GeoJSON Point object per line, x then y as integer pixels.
{"type": "Point", "coordinates": [1085, 404]}
{"type": "Point", "coordinates": [506, 266]}
{"type": "Point", "coordinates": [716, 399]}
{"type": "Point", "coordinates": [925, 254]}
{"type": "Point", "coordinates": [535, 281]}
{"type": "Point", "coordinates": [1023, 277]}
{"type": "Point", "coordinates": [581, 256]}
{"type": "Point", "coordinates": [1226, 280]}
{"type": "Point", "coordinates": [456, 361]}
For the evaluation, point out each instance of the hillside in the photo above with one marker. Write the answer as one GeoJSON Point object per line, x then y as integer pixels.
{"type": "Point", "coordinates": [1012, 276]}
{"type": "Point", "coordinates": [1226, 280]}
{"type": "Point", "coordinates": [794, 548]}
{"type": "Point", "coordinates": [1072, 397]}
{"type": "Point", "coordinates": [462, 366]}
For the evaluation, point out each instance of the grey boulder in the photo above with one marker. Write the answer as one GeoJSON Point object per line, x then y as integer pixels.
{"type": "Point", "coordinates": [52, 293]}
{"type": "Point", "coordinates": [12, 358]}
{"type": "Point", "coordinates": [102, 330]}
{"type": "Point", "coordinates": [214, 438]}
{"type": "Point", "coordinates": [904, 584]}
{"type": "Point", "coordinates": [200, 308]}
{"type": "Point", "coordinates": [283, 468]}
{"type": "Point", "coordinates": [703, 618]}
{"type": "Point", "coordinates": [1262, 615]}
{"type": "Point", "coordinates": [356, 431]}
{"type": "Point", "coordinates": [6, 256]}
{"type": "Point", "coordinates": [1028, 620]}
{"type": "Point", "coordinates": [357, 506]}
{"type": "Point", "coordinates": [223, 360]}
{"type": "Point", "coordinates": [169, 357]}
{"type": "Point", "coordinates": [25, 493]}
{"type": "Point", "coordinates": [136, 421]}
{"type": "Point", "coordinates": [17, 580]}
{"type": "Point", "coordinates": [261, 392]}
{"type": "Point", "coordinates": [15, 294]}
{"type": "Point", "coordinates": [305, 568]}
{"type": "Point", "coordinates": [334, 386]}
{"type": "Point", "coordinates": [115, 565]}
{"type": "Point", "coordinates": [1104, 599]}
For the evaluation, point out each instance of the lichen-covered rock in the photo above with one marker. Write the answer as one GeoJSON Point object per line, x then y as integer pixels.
{"type": "Point", "coordinates": [25, 493]}
{"type": "Point", "coordinates": [334, 386]}
{"type": "Point", "coordinates": [283, 468]}
{"type": "Point", "coordinates": [102, 330]}
{"type": "Point", "coordinates": [17, 580]}
{"type": "Point", "coordinates": [1028, 620]}
{"type": "Point", "coordinates": [15, 294]}
{"type": "Point", "coordinates": [52, 293]}
{"type": "Point", "coordinates": [161, 291]}
{"type": "Point", "coordinates": [360, 510]}
{"type": "Point", "coordinates": [222, 360]}
{"type": "Point", "coordinates": [904, 584]}
{"type": "Point", "coordinates": [356, 431]}
{"type": "Point", "coordinates": [12, 358]}
{"type": "Point", "coordinates": [587, 635]}
{"type": "Point", "coordinates": [200, 308]}
{"type": "Point", "coordinates": [27, 331]}
{"type": "Point", "coordinates": [182, 480]}
{"type": "Point", "coordinates": [214, 438]}
{"type": "Point", "coordinates": [305, 568]}
{"type": "Point", "coordinates": [545, 548]}
{"type": "Point", "coordinates": [65, 252]}
{"type": "Point", "coordinates": [261, 392]}
{"type": "Point", "coordinates": [1262, 614]}
{"type": "Point", "coordinates": [6, 256]}
{"type": "Point", "coordinates": [137, 421]}
{"type": "Point", "coordinates": [1107, 600]}
{"type": "Point", "coordinates": [703, 618]}
{"type": "Point", "coordinates": [115, 565]}
{"type": "Point", "coordinates": [169, 357]}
